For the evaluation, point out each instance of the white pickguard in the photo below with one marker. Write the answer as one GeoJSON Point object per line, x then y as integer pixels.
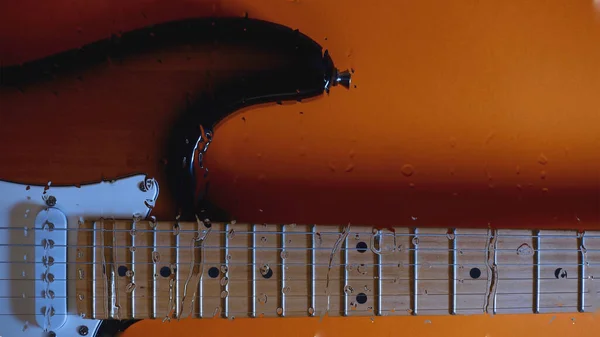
{"type": "Point", "coordinates": [20, 294]}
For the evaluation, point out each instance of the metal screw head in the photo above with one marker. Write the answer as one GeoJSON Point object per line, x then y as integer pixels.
{"type": "Point", "coordinates": [83, 330]}
{"type": "Point", "coordinates": [51, 201]}
{"type": "Point", "coordinates": [147, 184]}
{"type": "Point", "coordinates": [51, 334]}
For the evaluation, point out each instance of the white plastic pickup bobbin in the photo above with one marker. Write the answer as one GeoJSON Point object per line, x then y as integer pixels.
{"type": "Point", "coordinates": [51, 268]}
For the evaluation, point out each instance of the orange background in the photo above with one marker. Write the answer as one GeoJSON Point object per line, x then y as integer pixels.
{"type": "Point", "coordinates": [478, 98]}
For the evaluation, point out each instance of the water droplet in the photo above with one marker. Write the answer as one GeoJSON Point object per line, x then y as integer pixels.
{"type": "Point", "coordinates": [48, 243]}
{"type": "Point", "coordinates": [519, 187]}
{"type": "Point", "coordinates": [545, 190]}
{"type": "Point", "coordinates": [349, 267]}
{"type": "Point", "coordinates": [80, 297]}
{"type": "Point", "coordinates": [25, 231]}
{"type": "Point", "coordinates": [228, 257]}
{"type": "Point", "coordinates": [217, 312]}
{"type": "Point", "coordinates": [49, 277]}
{"type": "Point", "coordinates": [543, 174]}
{"type": "Point", "coordinates": [176, 229]}
{"type": "Point", "coordinates": [132, 249]}
{"type": "Point", "coordinates": [264, 269]}
{"type": "Point", "coordinates": [450, 236]}
{"type": "Point", "coordinates": [129, 273]}
{"type": "Point", "coordinates": [79, 254]}
{"type": "Point", "coordinates": [411, 185]}
{"type": "Point", "coordinates": [224, 293]}
{"type": "Point", "coordinates": [284, 255]}
{"type": "Point", "coordinates": [542, 159]}
{"type": "Point", "coordinates": [48, 261]}
{"type": "Point", "coordinates": [153, 222]}
{"type": "Point", "coordinates": [311, 310]}
{"type": "Point", "coordinates": [263, 239]}
{"type": "Point", "coordinates": [130, 287]}
{"type": "Point", "coordinates": [286, 289]}
{"type": "Point", "coordinates": [231, 234]}
{"type": "Point", "coordinates": [25, 326]}
{"type": "Point", "coordinates": [415, 241]}
{"type": "Point", "coordinates": [332, 166]}
{"type": "Point", "coordinates": [414, 218]}
{"type": "Point", "coordinates": [262, 298]}
{"type": "Point", "coordinates": [80, 273]}
{"type": "Point", "coordinates": [224, 269]}
{"type": "Point", "coordinates": [48, 226]}
{"type": "Point", "coordinates": [348, 289]}
{"type": "Point", "coordinates": [452, 142]}
{"type": "Point", "coordinates": [280, 311]}
{"type": "Point", "coordinates": [133, 232]}
{"type": "Point", "coordinates": [427, 321]}
{"type": "Point", "coordinates": [224, 281]}
{"type": "Point", "coordinates": [349, 168]}
{"type": "Point", "coordinates": [518, 169]}
{"type": "Point", "coordinates": [155, 257]}
{"type": "Point", "coordinates": [362, 269]}
{"type": "Point", "coordinates": [407, 170]}
{"type": "Point", "coordinates": [525, 250]}
{"type": "Point", "coordinates": [25, 257]}
{"type": "Point", "coordinates": [353, 305]}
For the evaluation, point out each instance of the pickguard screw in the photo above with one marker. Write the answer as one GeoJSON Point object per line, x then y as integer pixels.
{"type": "Point", "coordinates": [147, 185]}
{"type": "Point", "coordinates": [51, 201]}
{"type": "Point", "coordinates": [83, 330]}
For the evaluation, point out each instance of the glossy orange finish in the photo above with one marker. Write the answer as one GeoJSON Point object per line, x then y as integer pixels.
{"type": "Point", "coordinates": [494, 105]}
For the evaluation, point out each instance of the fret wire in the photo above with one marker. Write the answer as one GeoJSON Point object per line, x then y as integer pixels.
{"type": "Point", "coordinates": [313, 269]}
{"type": "Point", "coordinates": [536, 275]}
{"type": "Point", "coordinates": [132, 238]}
{"type": "Point", "coordinates": [346, 278]}
{"type": "Point", "coordinates": [454, 273]}
{"type": "Point", "coordinates": [415, 260]}
{"type": "Point", "coordinates": [176, 285]}
{"type": "Point", "coordinates": [227, 244]}
{"type": "Point", "coordinates": [94, 276]}
{"type": "Point", "coordinates": [283, 271]}
{"type": "Point", "coordinates": [581, 259]}
{"type": "Point", "coordinates": [380, 278]}
{"type": "Point", "coordinates": [253, 270]}
{"type": "Point", "coordinates": [154, 280]}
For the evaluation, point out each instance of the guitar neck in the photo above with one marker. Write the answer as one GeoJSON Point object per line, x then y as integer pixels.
{"type": "Point", "coordinates": [129, 269]}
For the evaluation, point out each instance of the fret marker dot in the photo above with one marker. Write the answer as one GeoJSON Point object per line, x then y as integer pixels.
{"type": "Point", "coordinates": [165, 271]}
{"type": "Point", "coordinates": [122, 271]}
{"type": "Point", "coordinates": [361, 298]}
{"type": "Point", "coordinates": [475, 273]}
{"type": "Point", "coordinates": [361, 247]}
{"type": "Point", "coordinates": [213, 272]}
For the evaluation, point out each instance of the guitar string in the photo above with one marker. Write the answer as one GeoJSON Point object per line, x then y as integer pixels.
{"type": "Point", "coordinates": [135, 247]}
{"type": "Point", "coordinates": [391, 232]}
{"type": "Point", "coordinates": [341, 294]}
{"type": "Point", "coordinates": [359, 312]}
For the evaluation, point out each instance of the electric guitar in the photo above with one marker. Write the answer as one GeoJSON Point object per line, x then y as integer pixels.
{"type": "Point", "coordinates": [90, 260]}
{"type": "Point", "coordinates": [44, 260]}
